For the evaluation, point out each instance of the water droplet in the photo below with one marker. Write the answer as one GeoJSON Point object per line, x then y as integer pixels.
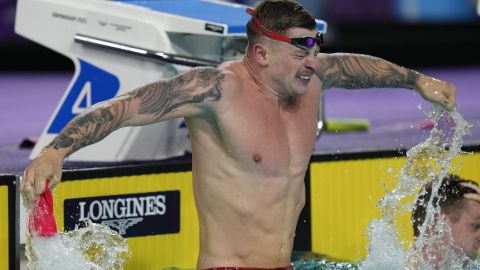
{"type": "Point", "coordinates": [428, 161]}
{"type": "Point", "coordinates": [93, 247]}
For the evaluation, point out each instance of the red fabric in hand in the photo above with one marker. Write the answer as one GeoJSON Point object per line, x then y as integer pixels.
{"type": "Point", "coordinates": [41, 219]}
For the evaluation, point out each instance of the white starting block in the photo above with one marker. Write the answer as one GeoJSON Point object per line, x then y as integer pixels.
{"type": "Point", "coordinates": [117, 46]}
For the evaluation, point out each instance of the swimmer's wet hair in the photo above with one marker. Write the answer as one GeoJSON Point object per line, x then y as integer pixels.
{"type": "Point", "coordinates": [278, 16]}
{"type": "Point", "coordinates": [453, 193]}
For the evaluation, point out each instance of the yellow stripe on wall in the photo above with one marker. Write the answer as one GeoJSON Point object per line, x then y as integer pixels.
{"type": "Point", "coordinates": [467, 166]}
{"type": "Point", "coordinates": [4, 254]}
{"type": "Point", "coordinates": [344, 195]}
{"type": "Point", "coordinates": [148, 252]}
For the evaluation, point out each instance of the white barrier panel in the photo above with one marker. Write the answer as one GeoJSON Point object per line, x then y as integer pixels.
{"type": "Point", "coordinates": [118, 46]}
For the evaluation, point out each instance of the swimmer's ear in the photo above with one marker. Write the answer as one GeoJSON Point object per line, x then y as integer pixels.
{"type": "Point", "coordinates": [260, 54]}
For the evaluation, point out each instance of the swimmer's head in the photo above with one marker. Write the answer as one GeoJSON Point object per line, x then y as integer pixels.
{"type": "Point", "coordinates": [453, 193]}
{"type": "Point", "coordinates": [278, 16]}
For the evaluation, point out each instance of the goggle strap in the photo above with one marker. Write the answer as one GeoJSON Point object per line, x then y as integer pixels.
{"type": "Point", "coordinates": [259, 28]}
{"type": "Point", "coordinates": [262, 30]}
{"type": "Point", "coordinates": [320, 38]}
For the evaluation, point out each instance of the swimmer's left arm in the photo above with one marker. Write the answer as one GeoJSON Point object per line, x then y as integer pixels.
{"type": "Point", "coordinates": [357, 71]}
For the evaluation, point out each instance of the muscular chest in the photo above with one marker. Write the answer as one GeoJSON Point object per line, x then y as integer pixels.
{"type": "Point", "coordinates": [272, 141]}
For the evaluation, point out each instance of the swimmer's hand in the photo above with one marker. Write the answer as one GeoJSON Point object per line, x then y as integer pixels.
{"type": "Point", "coordinates": [437, 91]}
{"type": "Point", "coordinates": [47, 165]}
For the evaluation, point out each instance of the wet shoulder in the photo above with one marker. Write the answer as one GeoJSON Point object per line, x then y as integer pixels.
{"type": "Point", "coordinates": [208, 84]}
{"type": "Point", "coordinates": [230, 80]}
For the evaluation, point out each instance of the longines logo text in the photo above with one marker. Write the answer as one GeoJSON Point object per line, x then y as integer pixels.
{"type": "Point", "coordinates": [130, 215]}
{"type": "Point", "coordinates": [123, 207]}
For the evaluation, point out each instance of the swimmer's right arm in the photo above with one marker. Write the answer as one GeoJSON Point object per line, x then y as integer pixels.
{"type": "Point", "coordinates": [357, 71]}
{"type": "Point", "coordinates": [185, 95]}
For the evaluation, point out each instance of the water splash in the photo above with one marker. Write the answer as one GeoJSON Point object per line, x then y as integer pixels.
{"type": "Point", "coordinates": [94, 247]}
{"type": "Point", "coordinates": [428, 161]}
{"type": "Point", "coordinates": [322, 264]}
{"type": "Point", "coordinates": [302, 260]}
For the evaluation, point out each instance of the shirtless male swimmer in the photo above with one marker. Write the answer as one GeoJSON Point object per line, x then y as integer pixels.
{"type": "Point", "coordinates": [252, 124]}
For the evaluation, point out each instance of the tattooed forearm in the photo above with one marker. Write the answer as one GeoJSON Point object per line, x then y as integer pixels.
{"type": "Point", "coordinates": [92, 126]}
{"type": "Point", "coordinates": [361, 71]}
{"type": "Point", "coordinates": [158, 98]}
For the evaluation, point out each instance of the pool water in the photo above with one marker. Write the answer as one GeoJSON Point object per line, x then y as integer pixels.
{"type": "Point", "coordinates": [428, 161]}
{"type": "Point", "coordinates": [98, 247]}
{"type": "Point", "coordinates": [95, 246]}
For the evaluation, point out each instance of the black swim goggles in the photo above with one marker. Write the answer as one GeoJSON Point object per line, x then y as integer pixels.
{"type": "Point", "coordinates": [304, 43]}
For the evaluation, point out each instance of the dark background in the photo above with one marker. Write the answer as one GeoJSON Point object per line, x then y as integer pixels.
{"type": "Point", "coordinates": [413, 33]}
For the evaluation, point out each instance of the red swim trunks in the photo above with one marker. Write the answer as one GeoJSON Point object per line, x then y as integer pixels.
{"type": "Point", "coordinates": [290, 267]}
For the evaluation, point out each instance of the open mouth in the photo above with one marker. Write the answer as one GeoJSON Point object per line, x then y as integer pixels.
{"type": "Point", "coordinates": [304, 77]}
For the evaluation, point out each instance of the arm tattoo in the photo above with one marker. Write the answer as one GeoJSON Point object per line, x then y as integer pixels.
{"type": "Point", "coordinates": [158, 99]}
{"type": "Point", "coordinates": [91, 126]}
{"type": "Point", "coordinates": [361, 71]}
